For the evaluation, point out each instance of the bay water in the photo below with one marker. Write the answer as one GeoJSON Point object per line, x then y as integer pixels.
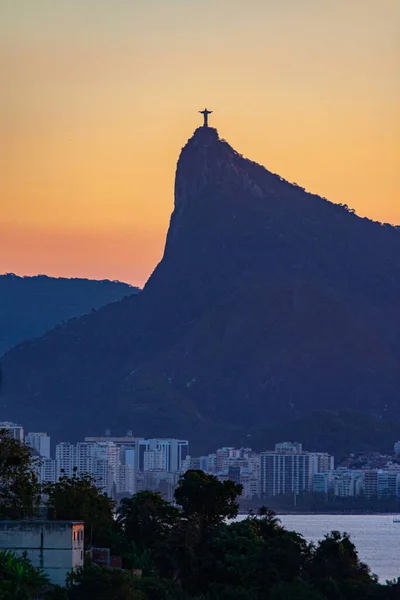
{"type": "Point", "coordinates": [377, 537]}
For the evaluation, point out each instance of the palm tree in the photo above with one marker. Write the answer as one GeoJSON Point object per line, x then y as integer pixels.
{"type": "Point", "coordinates": [19, 580]}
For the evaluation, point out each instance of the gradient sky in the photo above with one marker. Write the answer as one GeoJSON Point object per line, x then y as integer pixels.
{"type": "Point", "coordinates": [99, 96]}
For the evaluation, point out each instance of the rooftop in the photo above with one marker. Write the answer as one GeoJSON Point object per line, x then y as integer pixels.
{"type": "Point", "coordinates": [39, 521]}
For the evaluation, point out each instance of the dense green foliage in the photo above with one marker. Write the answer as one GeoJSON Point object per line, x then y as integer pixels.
{"type": "Point", "coordinates": [146, 518]}
{"type": "Point", "coordinates": [18, 579]}
{"type": "Point", "coordinates": [19, 490]}
{"type": "Point", "coordinates": [101, 583]}
{"type": "Point", "coordinates": [78, 498]}
{"type": "Point", "coordinates": [205, 499]}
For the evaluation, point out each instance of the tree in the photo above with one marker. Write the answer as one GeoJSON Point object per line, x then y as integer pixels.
{"type": "Point", "coordinates": [266, 522]}
{"type": "Point", "coordinates": [56, 592]}
{"type": "Point", "coordinates": [218, 591]}
{"type": "Point", "coordinates": [207, 500]}
{"type": "Point", "coordinates": [102, 583]}
{"type": "Point", "coordinates": [19, 580]}
{"type": "Point", "coordinates": [205, 503]}
{"type": "Point", "coordinates": [298, 590]}
{"type": "Point", "coordinates": [247, 555]}
{"type": "Point", "coordinates": [19, 490]}
{"type": "Point", "coordinates": [393, 589]}
{"type": "Point", "coordinates": [156, 588]}
{"type": "Point", "coordinates": [336, 557]}
{"type": "Point", "coordinates": [227, 555]}
{"type": "Point", "coordinates": [146, 518]}
{"type": "Point", "coordinates": [146, 521]}
{"type": "Point", "coordinates": [78, 498]}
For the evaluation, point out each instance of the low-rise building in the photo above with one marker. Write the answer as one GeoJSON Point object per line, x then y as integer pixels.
{"type": "Point", "coordinates": [57, 547]}
{"type": "Point", "coordinates": [348, 483]}
{"type": "Point", "coordinates": [251, 486]}
{"type": "Point", "coordinates": [322, 483]}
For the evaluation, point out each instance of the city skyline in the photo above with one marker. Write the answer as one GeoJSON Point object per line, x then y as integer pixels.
{"type": "Point", "coordinates": [98, 103]}
{"type": "Point", "coordinates": [124, 465]}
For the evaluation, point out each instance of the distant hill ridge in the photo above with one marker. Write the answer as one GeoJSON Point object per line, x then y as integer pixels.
{"type": "Point", "coordinates": [30, 306]}
{"type": "Point", "coordinates": [270, 306]}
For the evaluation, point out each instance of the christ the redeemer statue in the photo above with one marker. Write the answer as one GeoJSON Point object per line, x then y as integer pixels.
{"type": "Point", "coordinates": [205, 114]}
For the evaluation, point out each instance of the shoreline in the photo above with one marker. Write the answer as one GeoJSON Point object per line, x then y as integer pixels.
{"type": "Point", "coordinates": [354, 512]}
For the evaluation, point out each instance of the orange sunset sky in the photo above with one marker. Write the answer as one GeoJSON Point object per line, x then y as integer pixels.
{"type": "Point", "coordinates": [99, 96]}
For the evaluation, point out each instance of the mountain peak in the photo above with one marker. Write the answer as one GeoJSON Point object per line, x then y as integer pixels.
{"type": "Point", "coordinates": [205, 134]}
{"type": "Point", "coordinates": [269, 303]}
{"type": "Point", "coordinates": [208, 162]}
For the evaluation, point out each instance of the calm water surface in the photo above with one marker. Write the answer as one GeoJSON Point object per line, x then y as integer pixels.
{"type": "Point", "coordinates": [376, 537]}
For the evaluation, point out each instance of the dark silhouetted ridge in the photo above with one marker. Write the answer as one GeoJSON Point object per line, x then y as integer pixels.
{"type": "Point", "coordinates": [30, 306]}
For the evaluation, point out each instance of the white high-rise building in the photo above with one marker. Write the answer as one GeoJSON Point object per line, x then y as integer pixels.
{"type": "Point", "coordinates": [175, 452]}
{"type": "Point", "coordinates": [83, 458]}
{"type": "Point", "coordinates": [286, 470]}
{"type": "Point", "coordinates": [127, 456]}
{"type": "Point", "coordinates": [47, 471]}
{"type": "Point", "coordinates": [155, 460]}
{"type": "Point", "coordinates": [211, 463]}
{"type": "Point", "coordinates": [285, 473]}
{"type": "Point", "coordinates": [66, 459]}
{"type": "Point", "coordinates": [125, 480]}
{"type": "Point", "coordinates": [40, 442]}
{"type": "Point", "coordinates": [105, 476]}
{"type": "Point", "coordinates": [290, 470]}
{"type": "Point", "coordinates": [107, 451]}
{"type": "Point", "coordinates": [106, 457]}
{"type": "Point", "coordinates": [15, 431]}
{"type": "Point", "coordinates": [99, 460]}
{"type": "Point", "coordinates": [322, 462]}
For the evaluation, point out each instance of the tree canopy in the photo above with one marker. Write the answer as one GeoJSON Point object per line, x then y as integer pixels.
{"type": "Point", "coordinates": [79, 498]}
{"type": "Point", "coordinates": [146, 518]}
{"type": "Point", "coordinates": [19, 489]}
{"type": "Point", "coordinates": [207, 500]}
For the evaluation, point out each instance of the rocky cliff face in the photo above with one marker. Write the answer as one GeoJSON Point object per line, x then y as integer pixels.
{"type": "Point", "coordinates": [268, 304]}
